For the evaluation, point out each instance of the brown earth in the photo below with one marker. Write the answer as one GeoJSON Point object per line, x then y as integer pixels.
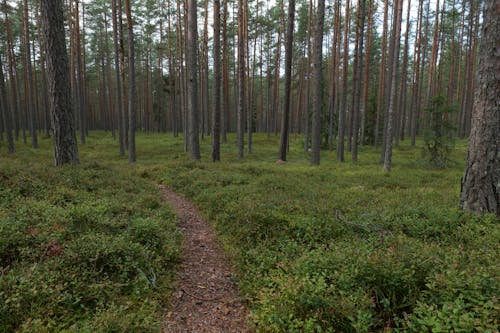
{"type": "Point", "coordinates": [205, 298]}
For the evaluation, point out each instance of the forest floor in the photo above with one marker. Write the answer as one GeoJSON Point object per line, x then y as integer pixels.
{"type": "Point", "coordinates": [205, 298]}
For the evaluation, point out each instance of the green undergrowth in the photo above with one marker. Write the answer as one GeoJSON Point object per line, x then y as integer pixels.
{"type": "Point", "coordinates": [347, 247]}
{"type": "Point", "coordinates": [89, 248]}
{"type": "Point", "coordinates": [343, 247]}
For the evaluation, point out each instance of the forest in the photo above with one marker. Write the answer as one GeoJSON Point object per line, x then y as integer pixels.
{"type": "Point", "coordinates": [249, 166]}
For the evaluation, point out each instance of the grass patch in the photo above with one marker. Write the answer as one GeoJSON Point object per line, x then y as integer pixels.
{"type": "Point", "coordinates": [339, 247]}
{"type": "Point", "coordinates": [347, 247]}
{"type": "Point", "coordinates": [82, 248]}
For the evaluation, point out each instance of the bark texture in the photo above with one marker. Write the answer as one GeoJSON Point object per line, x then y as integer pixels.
{"type": "Point", "coordinates": [288, 81]}
{"type": "Point", "coordinates": [481, 180]}
{"type": "Point", "coordinates": [192, 62]}
{"type": "Point", "coordinates": [217, 85]}
{"type": "Point", "coordinates": [318, 91]}
{"type": "Point", "coordinates": [62, 117]}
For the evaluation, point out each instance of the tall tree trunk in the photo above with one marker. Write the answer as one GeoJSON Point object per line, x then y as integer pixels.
{"type": "Point", "coordinates": [13, 76]}
{"type": "Point", "coordinates": [317, 80]}
{"type": "Point", "coordinates": [122, 66]}
{"type": "Point", "coordinates": [398, 11]}
{"type": "Point", "coordinates": [288, 80]}
{"type": "Point", "coordinates": [225, 76]}
{"type": "Point", "coordinates": [277, 66]}
{"type": "Point", "coordinates": [131, 84]}
{"type": "Point", "coordinates": [118, 93]}
{"type": "Point", "coordinates": [358, 68]}
{"type": "Point", "coordinates": [63, 124]}
{"type": "Point", "coordinates": [5, 112]}
{"type": "Point", "coordinates": [366, 77]}
{"type": "Point", "coordinates": [481, 181]}
{"type": "Point", "coordinates": [205, 95]}
{"type": "Point", "coordinates": [79, 74]}
{"type": "Point", "coordinates": [382, 78]}
{"type": "Point", "coordinates": [416, 76]}
{"type": "Point", "coordinates": [404, 79]}
{"type": "Point", "coordinates": [29, 95]}
{"type": "Point", "coordinates": [334, 73]}
{"type": "Point", "coordinates": [217, 85]}
{"type": "Point", "coordinates": [307, 124]}
{"type": "Point", "coordinates": [192, 63]}
{"type": "Point", "coordinates": [345, 66]}
{"type": "Point", "coordinates": [241, 81]}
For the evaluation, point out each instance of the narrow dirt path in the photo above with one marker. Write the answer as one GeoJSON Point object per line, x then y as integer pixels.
{"type": "Point", "coordinates": [206, 299]}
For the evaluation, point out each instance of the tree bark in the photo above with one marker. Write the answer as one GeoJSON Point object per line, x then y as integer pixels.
{"type": "Point", "coordinates": [63, 123]}
{"type": "Point", "coordinates": [131, 84]}
{"type": "Point", "coordinates": [481, 180]}
{"type": "Point", "coordinates": [29, 95]}
{"type": "Point", "coordinates": [217, 85]}
{"type": "Point", "coordinates": [288, 80]}
{"type": "Point", "coordinates": [345, 67]}
{"type": "Point", "coordinates": [398, 10]}
{"type": "Point", "coordinates": [358, 68]}
{"type": "Point", "coordinates": [317, 80]}
{"type": "Point", "coordinates": [5, 112]}
{"type": "Point", "coordinates": [118, 94]}
{"type": "Point", "coordinates": [241, 83]}
{"type": "Point", "coordinates": [192, 63]}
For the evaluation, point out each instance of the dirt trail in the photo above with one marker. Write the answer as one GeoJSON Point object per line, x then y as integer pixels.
{"type": "Point", "coordinates": [206, 299]}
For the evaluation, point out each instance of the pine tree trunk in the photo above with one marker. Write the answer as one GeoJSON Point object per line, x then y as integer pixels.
{"type": "Point", "coordinates": [241, 82]}
{"type": "Point", "coordinates": [382, 79]}
{"type": "Point", "coordinates": [118, 95]}
{"type": "Point", "coordinates": [192, 64]}
{"type": "Point", "coordinates": [79, 74]}
{"type": "Point", "coordinates": [217, 85]}
{"type": "Point", "coordinates": [131, 85]}
{"type": "Point", "coordinates": [288, 80]}
{"type": "Point", "coordinates": [307, 125]}
{"type": "Point", "coordinates": [398, 11]}
{"type": "Point", "coordinates": [63, 123]}
{"type": "Point", "coordinates": [345, 67]}
{"type": "Point", "coordinates": [358, 68]}
{"type": "Point", "coordinates": [366, 77]}
{"type": "Point", "coordinates": [13, 76]}
{"type": "Point", "coordinates": [5, 112]}
{"type": "Point", "coordinates": [481, 181]}
{"type": "Point", "coordinates": [29, 95]}
{"type": "Point", "coordinates": [317, 81]}
{"type": "Point", "coordinates": [225, 77]}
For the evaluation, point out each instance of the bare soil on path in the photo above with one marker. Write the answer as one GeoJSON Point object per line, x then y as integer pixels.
{"type": "Point", "coordinates": [206, 298]}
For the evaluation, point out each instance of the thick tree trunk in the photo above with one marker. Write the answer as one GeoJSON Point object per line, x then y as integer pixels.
{"type": "Point", "coordinates": [343, 109]}
{"type": "Point", "coordinates": [29, 95]}
{"type": "Point", "coordinates": [382, 79]}
{"type": "Point", "coordinates": [217, 85]}
{"type": "Point", "coordinates": [131, 85]}
{"type": "Point", "coordinates": [5, 112]}
{"type": "Point", "coordinates": [398, 11]}
{"type": "Point", "coordinates": [79, 73]}
{"type": "Point", "coordinates": [481, 180]}
{"type": "Point", "coordinates": [192, 63]}
{"type": "Point", "coordinates": [225, 77]}
{"type": "Point", "coordinates": [63, 123]}
{"type": "Point", "coordinates": [118, 92]}
{"type": "Point", "coordinates": [288, 80]}
{"type": "Point", "coordinates": [317, 81]}
{"type": "Point", "coordinates": [12, 73]}
{"type": "Point", "coordinates": [358, 68]}
{"type": "Point", "coordinates": [241, 81]}
{"type": "Point", "coordinates": [307, 125]}
{"type": "Point", "coordinates": [364, 102]}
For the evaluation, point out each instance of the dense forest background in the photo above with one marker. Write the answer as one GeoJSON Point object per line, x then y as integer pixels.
{"type": "Point", "coordinates": [381, 60]}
